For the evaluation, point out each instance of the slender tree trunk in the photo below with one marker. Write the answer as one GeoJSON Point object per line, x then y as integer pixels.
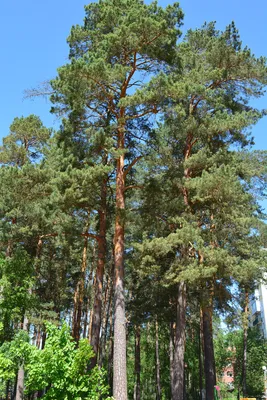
{"type": "Point", "coordinates": [39, 337]}
{"type": "Point", "coordinates": [79, 296]}
{"type": "Point", "coordinates": [158, 387]}
{"type": "Point", "coordinates": [21, 372]}
{"type": "Point", "coordinates": [96, 320]}
{"type": "Point", "coordinates": [14, 387]}
{"type": "Point", "coordinates": [200, 353]}
{"type": "Point", "coordinates": [245, 345]}
{"type": "Point", "coordinates": [7, 390]}
{"type": "Point", "coordinates": [180, 338]}
{"type": "Point", "coordinates": [185, 382]}
{"type": "Point", "coordinates": [43, 340]}
{"type": "Point", "coordinates": [90, 325]}
{"type": "Point", "coordinates": [75, 310]}
{"type": "Point", "coordinates": [171, 348]}
{"type": "Point", "coordinates": [92, 277]}
{"type": "Point", "coordinates": [41, 393]}
{"type": "Point", "coordinates": [119, 357]}
{"type": "Point", "coordinates": [89, 314]}
{"type": "Point", "coordinates": [244, 366]}
{"type": "Point", "coordinates": [36, 343]}
{"type": "Point", "coordinates": [107, 311]}
{"type": "Point", "coordinates": [20, 377]}
{"type": "Point", "coordinates": [110, 351]}
{"type": "Point", "coordinates": [209, 359]}
{"type": "Point", "coordinates": [85, 320]}
{"type": "Point", "coordinates": [179, 349]}
{"type": "Point", "coordinates": [137, 387]}
{"type": "Point", "coordinates": [35, 396]}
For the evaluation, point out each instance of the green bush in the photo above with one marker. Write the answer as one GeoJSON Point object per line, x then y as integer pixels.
{"type": "Point", "coordinates": [60, 370]}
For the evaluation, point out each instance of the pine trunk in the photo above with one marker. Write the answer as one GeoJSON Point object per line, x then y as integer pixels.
{"type": "Point", "coordinates": [110, 351]}
{"type": "Point", "coordinates": [179, 348]}
{"type": "Point", "coordinates": [7, 390]}
{"type": "Point", "coordinates": [85, 320]}
{"type": "Point", "coordinates": [79, 296]}
{"type": "Point", "coordinates": [119, 356]}
{"type": "Point", "coordinates": [20, 377]}
{"type": "Point", "coordinates": [96, 321]}
{"type": "Point", "coordinates": [137, 388]}
{"type": "Point", "coordinates": [43, 340]}
{"type": "Point", "coordinates": [178, 388]}
{"type": "Point", "coordinates": [39, 337]}
{"type": "Point", "coordinates": [90, 325]}
{"type": "Point", "coordinates": [171, 348]}
{"type": "Point", "coordinates": [245, 346]}
{"type": "Point", "coordinates": [107, 311]}
{"type": "Point", "coordinates": [158, 387]}
{"type": "Point", "coordinates": [92, 310]}
{"type": "Point", "coordinates": [209, 360]}
{"type": "Point", "coordinates": [200, 354]}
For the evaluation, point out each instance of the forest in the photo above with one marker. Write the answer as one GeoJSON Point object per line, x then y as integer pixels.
{"type": "Point", "coordinates": [133, 237]}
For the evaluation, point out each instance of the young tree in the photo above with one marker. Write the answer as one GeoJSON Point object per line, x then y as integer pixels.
{"type": "Point", "coordinates": [25, 142]}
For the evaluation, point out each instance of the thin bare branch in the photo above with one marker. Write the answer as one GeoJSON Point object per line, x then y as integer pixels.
{"type": "Point", "coordinates": [43, 90]}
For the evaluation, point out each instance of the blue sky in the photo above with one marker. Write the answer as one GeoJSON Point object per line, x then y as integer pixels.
{"type": "Point", "coordinates": [34, 44]}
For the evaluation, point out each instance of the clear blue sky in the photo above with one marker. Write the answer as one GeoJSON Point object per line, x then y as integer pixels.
{"type": "Point", "coordinates": [34, 35]}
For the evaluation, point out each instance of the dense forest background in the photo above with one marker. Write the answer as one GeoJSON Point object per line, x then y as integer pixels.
{"type": "Point", "coordinates": [129, 234]}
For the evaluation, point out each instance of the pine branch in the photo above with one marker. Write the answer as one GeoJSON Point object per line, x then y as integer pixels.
{"type": "Point", "coordinates": [43, 90]}
{"type": "Point", "coordinates": [133, 187]}
{"type": "Point", "coordinates": [130, 166]}
{"type": "Point", "coordinates": [152, 110]}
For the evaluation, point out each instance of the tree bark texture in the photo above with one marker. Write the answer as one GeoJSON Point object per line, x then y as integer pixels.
{"type": "Point", "coordinates": [110, 350]}
{"type": "Point", "coordinates": [21, 373]}
{"type": "Point", "coordinates": [7, 390]}
{"type": "Point", "coordinates": [119, 356]}
{"type": "Point", "coordinates": [200, 354]}
{"type": "Point", "coordinates": [79, 296]}
{"type": "Point", "coordinates": [137, 368]}
{"type": "Point", "coordinates": [108, 309]}
{"type": "Point", "coordinates": [171, 350]}
{"type": "Point", "coordinates": [209, 359]}
{"type": "Point", "coordinates": [85, 320]}
{"type": "Point", "coordinates": [179, 348]}
{"type": "Point", "coordinates": [96, 320]}
{"type": "Point", "coordinates": [158, 387]}
{"type": "Point", "coordinates": [245, 346]}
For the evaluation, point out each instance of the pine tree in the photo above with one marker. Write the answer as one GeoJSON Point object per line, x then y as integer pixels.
{"type": "Point", "coordinates": [208, 113]}
{"type": "Point", "coordinates": [119, 42]}
{"type": "Point", "coordinates": [27, 137]}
